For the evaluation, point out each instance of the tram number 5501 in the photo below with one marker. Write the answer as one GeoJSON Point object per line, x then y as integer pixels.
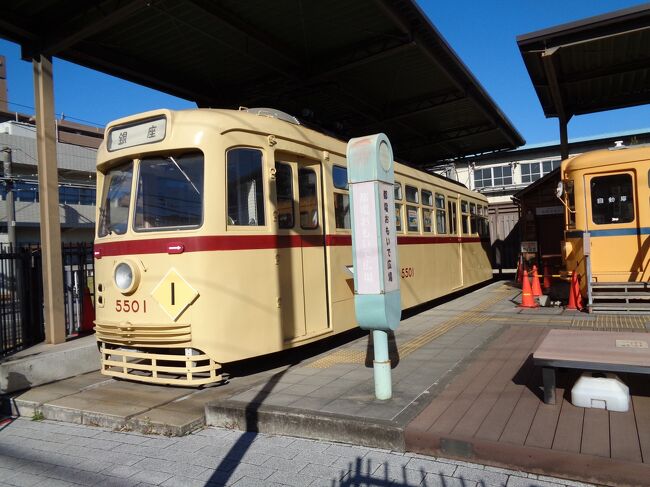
{"type": "Point", "coordinates": [407, 272]}
{"type": "Point", "coordinates": [128, 305]}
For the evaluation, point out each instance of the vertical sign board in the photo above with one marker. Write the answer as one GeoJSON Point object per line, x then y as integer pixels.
{"type": "Point", "coordinates": [374, 240]}
{"type": "Point", "coordinates": [377, 303]}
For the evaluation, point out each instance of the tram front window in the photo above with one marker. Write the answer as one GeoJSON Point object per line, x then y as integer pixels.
{"type": "Point", "coordinates": [114, 210]}
{"type": "Point", "coordinates": [170, 192]}
{"type": "Point", "coordinates": [612, 199]}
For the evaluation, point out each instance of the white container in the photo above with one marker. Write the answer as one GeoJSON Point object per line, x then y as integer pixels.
{"type": "Point", "coordinates": [602, 391]}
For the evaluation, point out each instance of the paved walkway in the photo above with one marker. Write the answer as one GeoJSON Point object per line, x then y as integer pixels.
{"type": "Point", "coordinates": [328, 396]}
{"type": "Point", "coordinates": [58, 454]}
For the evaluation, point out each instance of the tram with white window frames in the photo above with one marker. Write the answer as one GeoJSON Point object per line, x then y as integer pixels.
{"type": "Point", "coordinates": [225, 234]}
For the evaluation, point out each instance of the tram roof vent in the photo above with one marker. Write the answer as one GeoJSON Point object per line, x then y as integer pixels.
{"type": "Point", "coordinates": [619, 144]}
{"type": "Point", "coordinates": [271, 113]}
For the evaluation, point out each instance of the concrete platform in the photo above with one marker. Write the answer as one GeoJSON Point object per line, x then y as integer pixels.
{"type": "Point", "coordinates": [330, 395]}
{"type": "Point", "coordinates": [45, 363]}
{"type": "Point", "coordinates": [96, 400]}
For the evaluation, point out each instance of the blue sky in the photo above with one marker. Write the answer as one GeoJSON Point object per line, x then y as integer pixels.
{"type": "Point", "coordinates": [482, 32]}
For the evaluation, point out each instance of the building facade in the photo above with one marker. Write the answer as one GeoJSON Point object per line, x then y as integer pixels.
{"type": "Point", "coordinates": [500, 175]}
{"type": "Point", "coordinates": [76, 153]}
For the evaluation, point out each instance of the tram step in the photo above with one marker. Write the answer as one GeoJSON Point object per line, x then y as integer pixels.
{"type": "Point", "coordinates": [630, 308]}
{"type": "Point", "coordinates": [620, 285]}
{"type": "Point", "coordinates": [621, 295]}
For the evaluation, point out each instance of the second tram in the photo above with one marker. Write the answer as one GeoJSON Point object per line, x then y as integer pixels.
{"type": "Point", "coordinates": [606, 195]}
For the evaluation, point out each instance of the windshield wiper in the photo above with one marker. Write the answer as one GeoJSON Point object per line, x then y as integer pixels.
{"type": "Point", "coordinates": [184, 174]}
{"type": "Point", "coordinates": [102, 221]}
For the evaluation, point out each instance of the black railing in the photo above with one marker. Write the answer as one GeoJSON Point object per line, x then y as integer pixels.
{"type": "Point", "coordinates": [21, 293]}
{"type": "Point", "coordinates": [78, 282]}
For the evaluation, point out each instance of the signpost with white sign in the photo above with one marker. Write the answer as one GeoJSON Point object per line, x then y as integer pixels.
{"type": "Point", "coordinates": [374, 245]}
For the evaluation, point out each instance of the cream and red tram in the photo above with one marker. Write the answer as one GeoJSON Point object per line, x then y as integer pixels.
{"type": "Point", "coordinates": [224, 235]}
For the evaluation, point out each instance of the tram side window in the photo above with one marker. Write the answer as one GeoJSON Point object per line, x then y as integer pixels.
{"type": "Point", "coordinates": [464, 209]}
{"type": "Point", "coordinates": [411, 194]}
{"type": "Point", "coordinates": [427, 220]}
{"type": "Point", "coordinates": [170, 192]}
{"type": "Point", "coordinates": [398, 207]}
{"type": "Point", "coordinates": [412, 217]}
{"type": "Point", "coordinates": [427, 198]}
{"type": "Point", "coordinates": [612, 200]}
{"type": "Point", "coordinates": [473, 218]}
{"type": "Point", "coordinates": [284, 191]}
{"type": "Point", "coordinates": [453, 211]}
{"type": "Point", "coordinates": [483, 225]}
{"type": "Point", "coordinates": [245, 187]}
{"type": "Point", "coordinates": [341, 197]}
{"type": "Point", "coordinates": [398, 217]}
{"type": "Point", "coordinates": [114, 211]}
{"type": "Point", "coordinates": [427, 213]}
{"type": "Point", "coordinates": [308, 198]}
{"type": "Point", "coordinates": [441, 217]}
{"type": "Point", "coordinates": [340, 177]}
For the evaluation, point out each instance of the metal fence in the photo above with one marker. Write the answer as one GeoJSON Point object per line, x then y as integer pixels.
{"type": "Point", "coordinates": [21, 293]}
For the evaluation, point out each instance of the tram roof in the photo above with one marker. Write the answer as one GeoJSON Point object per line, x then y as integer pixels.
{"type": "Point", "coordinates": [608, 157]}
{"type": "Point", "coordinates": [350, 68]}
{"type": "Point", "coordinates": [596, 64]}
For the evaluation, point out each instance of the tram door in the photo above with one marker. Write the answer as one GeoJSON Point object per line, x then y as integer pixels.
{"type": "Point", "coordinates": [455, 265]}
{"type": "Point", "coordinates": [616, 237]}
{"type": "Point", "coordinates": [301, 252]}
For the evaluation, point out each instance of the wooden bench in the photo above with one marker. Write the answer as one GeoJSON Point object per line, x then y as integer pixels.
{"type": "Point", "coordinates": [591, 350]}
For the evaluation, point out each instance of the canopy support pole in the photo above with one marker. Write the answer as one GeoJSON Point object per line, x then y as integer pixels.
{"type": "Point", "coordinates": [48, 187]}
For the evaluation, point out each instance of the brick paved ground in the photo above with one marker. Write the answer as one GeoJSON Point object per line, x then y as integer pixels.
{"type": "Point", "coordinates": [59, 454]}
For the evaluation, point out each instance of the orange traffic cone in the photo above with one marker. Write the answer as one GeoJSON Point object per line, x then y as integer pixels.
{"type": "Point", "coordinates": [527, 300]}
{"type": "Point", "coordinates": [575, 298]}
{"type": "Point", "coordinates": [88, 313]}
{"type": "Point", "coordinates": [537, 289]}
{"type": "Point", "coordinates": [548, 282]}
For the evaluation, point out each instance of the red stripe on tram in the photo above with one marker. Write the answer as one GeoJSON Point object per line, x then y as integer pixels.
{"type": "Point", "coordinates": [247, 242]}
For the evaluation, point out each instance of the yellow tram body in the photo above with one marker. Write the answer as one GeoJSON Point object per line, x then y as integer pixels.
{"type": "Point", "coordinates": [224, 235]}
{"type": "Point", "coordinates": [606, 194]}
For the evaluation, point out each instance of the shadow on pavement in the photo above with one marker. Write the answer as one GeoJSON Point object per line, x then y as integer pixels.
{"type": "Point", "coordinates": [371, 476]}
{"type": "Point", "coordinates": [236, 453]}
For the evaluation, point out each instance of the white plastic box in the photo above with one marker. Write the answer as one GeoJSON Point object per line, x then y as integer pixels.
{"type": "Point", "coordinates": [602, 391]}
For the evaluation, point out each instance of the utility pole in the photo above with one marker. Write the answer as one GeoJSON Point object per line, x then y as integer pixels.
{"type": "Point", "coordinates": [11, 209]}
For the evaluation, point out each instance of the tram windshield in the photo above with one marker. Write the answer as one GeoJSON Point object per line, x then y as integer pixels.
{"type": "Point", "coordinates": [114, 210]}
{"type": "Point", "coordinates": [170, 192]}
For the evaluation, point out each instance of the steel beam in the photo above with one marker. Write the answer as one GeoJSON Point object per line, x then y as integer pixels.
{"type": "Point", "coordinates": [88, 24]}
{"type": "Point", "coordinates": [48, 187]}
{"type": "Point", "coordinates": [549, 60]}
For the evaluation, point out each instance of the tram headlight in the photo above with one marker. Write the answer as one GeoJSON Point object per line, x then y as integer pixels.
{"type": "Point", "coordinates": [126, 277]}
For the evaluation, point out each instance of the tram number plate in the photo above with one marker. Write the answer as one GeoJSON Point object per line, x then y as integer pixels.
{"type": "Point", "coordinates": [130, 305]}
{"type": "Point", "coordinates": [407, 272]}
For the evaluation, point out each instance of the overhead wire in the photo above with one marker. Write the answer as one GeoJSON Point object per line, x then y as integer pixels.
{"type": "Point", "coordinates": [61, 116]}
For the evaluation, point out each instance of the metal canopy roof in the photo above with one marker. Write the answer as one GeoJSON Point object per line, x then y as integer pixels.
{"type": "Point", "coordinates": [351, 68]}
{"type": "Point", "coordinates": [599, 63]}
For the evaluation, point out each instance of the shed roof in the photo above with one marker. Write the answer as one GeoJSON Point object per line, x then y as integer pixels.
{"type": "Point", "coordinates": [596, 64]}
{"type": "Point", "coordinates": [351, 68]}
